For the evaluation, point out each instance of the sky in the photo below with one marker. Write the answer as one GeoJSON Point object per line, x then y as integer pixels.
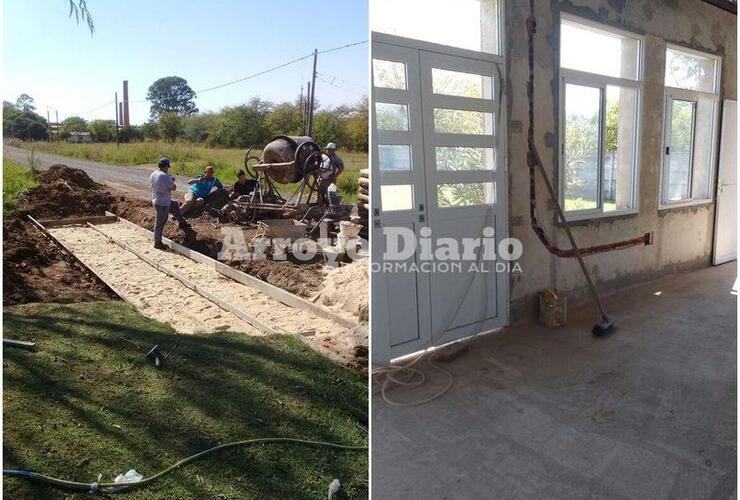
{"type": "Point", "coordinates": [49, 57]}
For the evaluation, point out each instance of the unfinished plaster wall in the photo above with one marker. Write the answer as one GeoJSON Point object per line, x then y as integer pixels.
{"type": "Point", "coordinates": [683, 236]}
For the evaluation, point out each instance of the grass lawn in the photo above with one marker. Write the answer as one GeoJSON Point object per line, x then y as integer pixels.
{"type": "Point", "coordinates": [17, 178]}
{"type": "Point", "coordinates": [189, 159]}
{"type": "Point", "coordinates": [83, 405]}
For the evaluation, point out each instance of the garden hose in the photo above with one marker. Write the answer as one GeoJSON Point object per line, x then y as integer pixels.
{"type": "Point", "coordinates": [98, 487]}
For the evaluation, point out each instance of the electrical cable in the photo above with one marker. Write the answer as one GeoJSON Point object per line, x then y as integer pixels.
{"type": "Point", "coordinates": [98, 487]}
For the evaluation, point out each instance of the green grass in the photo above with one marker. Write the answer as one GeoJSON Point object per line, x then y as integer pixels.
{"type": "Point", "coordinates": [581, 204]}
{"type": "Point", "coordinates": [17, 178]}
{"type": "Point", "coordinates": [189, 159]}
{"type": "Point", "coordinates": [83, 405]}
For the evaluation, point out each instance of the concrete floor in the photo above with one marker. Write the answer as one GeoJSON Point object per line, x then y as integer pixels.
{"type": "Point", "coordinates": [648, 412]}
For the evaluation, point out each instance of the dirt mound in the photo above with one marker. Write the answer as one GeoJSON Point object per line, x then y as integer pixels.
{"type": "Point", "coordinates": [346, 287]}
{"type": "Point", "coordinates": [34, 270]}
{"type": "Point", "coordinates": [303, 280]}
{"type": "Point", "coordinates": [70, 175]}
{"type": "Point", "coordinates": [66, 192]}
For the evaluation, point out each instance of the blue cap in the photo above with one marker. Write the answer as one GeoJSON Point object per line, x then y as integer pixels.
{"type": "Point", "coordinates": [164, 162]}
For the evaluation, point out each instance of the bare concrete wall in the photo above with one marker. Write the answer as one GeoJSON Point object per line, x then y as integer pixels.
{"type": "Point", "coordinates": [683, 237]}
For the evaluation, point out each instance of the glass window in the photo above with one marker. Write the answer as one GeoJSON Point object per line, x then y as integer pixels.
{"type": "Point", "coordinates": [458, 159]}
{"type": "Point", "coordinates": [389, 74]}
{"type": "Point", "coordinates": [461, 84]}
{"type": "Point", "coordinates": [466, 24]}
{"type": "Point", "coordinates": [581, 155]}
{"type": "Point", "coordinates": [690, 126]}
{"type": "Point", "coordinates": [600, 118]}
{"type": "Point", "coordinates": [690, 71]}
{"type": "Point", "coordinates": [603, 52]}
{"type": "Point", "coordinates": [391, 116]}
{"type": "Point", "coordinates": [619, 154]}
{"type": "Point", "coordinates": [458, 121]}
{"type": "Point", "coordinates": [465, 194]}
{"type": "Point", "coordinates": [394, 158]}
{"type": "Point", "coordinates": [395, 197]}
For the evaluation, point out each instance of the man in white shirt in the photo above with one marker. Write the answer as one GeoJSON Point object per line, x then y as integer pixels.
{"type": "Point", "coordinates": [162, 186]}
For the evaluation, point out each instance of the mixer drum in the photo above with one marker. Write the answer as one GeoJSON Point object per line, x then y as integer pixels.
{"type": "Point", "coordinates": [282, 149]}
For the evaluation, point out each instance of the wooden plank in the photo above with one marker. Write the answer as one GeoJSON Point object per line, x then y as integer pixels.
{"type": "Point", "coordinates": [276, 293]}
{"type": "Point", "coordinates": [82, 265]}
{"type": "Point", "coordinates": [99, 219]}
{"type": "Point", "coordinates": [261, 325]}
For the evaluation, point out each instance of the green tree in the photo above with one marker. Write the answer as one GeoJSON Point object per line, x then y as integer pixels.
{"type": "Point", "coordinates": [285, 119]}
{"type": "Point", "coordinates": [102, 130]}
{"type": "Point", "coordinates": [241, 126]}
{"type": "Point", "coordinates": [25, 103]}
{"type": "Point", "coordinates": [197, 127]}
{"type": "Point", "coordinates": [170, 126]}
{"type": "Point", "coordinates": [171, 94]}
{"type": "Point", "coordinates": [72, 124]}
{"type": "Point", "coordinates": [150, 130]}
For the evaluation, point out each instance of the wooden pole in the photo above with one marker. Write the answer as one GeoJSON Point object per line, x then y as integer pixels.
{"type": "Point", "coordinates": [313, 93]}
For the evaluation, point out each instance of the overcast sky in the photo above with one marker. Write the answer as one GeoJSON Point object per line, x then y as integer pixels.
{"type": "Point", "coordinates": [61, 66]}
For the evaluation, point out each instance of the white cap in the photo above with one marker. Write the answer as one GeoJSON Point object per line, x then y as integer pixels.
{"type": "Point", "coordinates": [331, 145]}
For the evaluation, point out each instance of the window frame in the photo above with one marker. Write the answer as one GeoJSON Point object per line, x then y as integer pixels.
{"type": "Point", "coordinates": [582, 78]}
{"type": "Point", "coordinates": [674, 93]}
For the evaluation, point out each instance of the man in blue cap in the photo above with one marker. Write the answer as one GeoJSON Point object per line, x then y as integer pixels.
{"type": "Point", "coordinates": [162, 186]}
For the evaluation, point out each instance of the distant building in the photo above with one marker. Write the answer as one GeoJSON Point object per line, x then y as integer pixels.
{"type": "Point", "coordinates": [79, 137]}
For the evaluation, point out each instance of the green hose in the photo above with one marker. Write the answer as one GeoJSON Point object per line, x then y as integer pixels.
{"type": "Point", "coordinates": [97, 487]}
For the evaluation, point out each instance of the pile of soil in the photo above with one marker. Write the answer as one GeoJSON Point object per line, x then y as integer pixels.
{"type": "Point", "coordinates": [303, 280]}
{"type": "Point", "coordinates": [34, 269]}
{"type": "Point", "coordinates": [66, 192]}
{"type": "Point", "coordinates": [346, 287]}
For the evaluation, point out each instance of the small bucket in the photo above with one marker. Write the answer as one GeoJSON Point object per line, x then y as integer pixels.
{"type": "Point", "coordinates": [553, 309]}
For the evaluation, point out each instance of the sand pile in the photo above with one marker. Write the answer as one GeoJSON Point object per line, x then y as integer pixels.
{"type": "Point", "coordinates": [346, 287]}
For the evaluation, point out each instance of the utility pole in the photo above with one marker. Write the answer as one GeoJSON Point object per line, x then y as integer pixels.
{"type": "Point", "coordinates": [48, 123]}
{"type": "Point", "coordinates": [118, 135]}
{"type": "Point", "coordinates": [313, 93]}
{"type": "Point", "coordinates": [305, 108]}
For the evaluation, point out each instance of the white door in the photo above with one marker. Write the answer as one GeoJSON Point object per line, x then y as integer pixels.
{"type": "Point", "coordinates": [438, 168]}
{"type": "Point", "coordinates": [725, 227]}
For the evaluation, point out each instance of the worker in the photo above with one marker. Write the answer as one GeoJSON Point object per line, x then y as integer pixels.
{"type": "Point", "coordinates": [163, 184]}
{"type": "Point", "coordinates": [332, 167]}
{"type": "Point", "coordinates": [242, 186]}
{"type": "Point", "coordinates": [200, 188]}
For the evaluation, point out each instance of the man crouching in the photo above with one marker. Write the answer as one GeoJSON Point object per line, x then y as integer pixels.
{"type": "Point", "coordinates": [162, 186]}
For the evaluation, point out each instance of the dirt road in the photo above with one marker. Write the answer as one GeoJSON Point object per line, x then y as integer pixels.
{"type": "Point", "coordinates": [132, 181]}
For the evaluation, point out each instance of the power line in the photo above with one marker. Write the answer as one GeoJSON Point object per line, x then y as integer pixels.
{"type": "Point", "coordinates": [348, 82]}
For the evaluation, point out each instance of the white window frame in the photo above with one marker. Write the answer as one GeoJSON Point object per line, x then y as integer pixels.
{"type": "Point", "coordinates": [671, 94]}
{"type": "Point", "coordinates": [577, 77]}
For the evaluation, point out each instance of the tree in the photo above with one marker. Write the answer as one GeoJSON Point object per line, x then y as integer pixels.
{"type": "Point", "coordinates": [197, 127]}
{"type": "Point", "coordinates": [171, 94]}
{"type": "Point", "coordinates": [241, 126]}
{"type": "Point", "coordinates": [72, 124]}
{"type": "Point", "coordinates": [102, 130]}
{"type": "Point", "coordinates": [170, 126]}
{"type": "Point", "coordinates": [285, 119]}
{"type": "Point", "coordinates": [150, 130]}
{"type": "Point", "coordinates": [25, 103]}
{"type": "Point", "coordinates": [80, 11]}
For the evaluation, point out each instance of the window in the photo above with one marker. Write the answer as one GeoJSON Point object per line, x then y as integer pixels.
{"type": "Point", "coordinates": [444, 22]}
{"type": "Point", "coordinates": [600, 71]}
{"type": "Point", "coordinates": [691, 103]}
